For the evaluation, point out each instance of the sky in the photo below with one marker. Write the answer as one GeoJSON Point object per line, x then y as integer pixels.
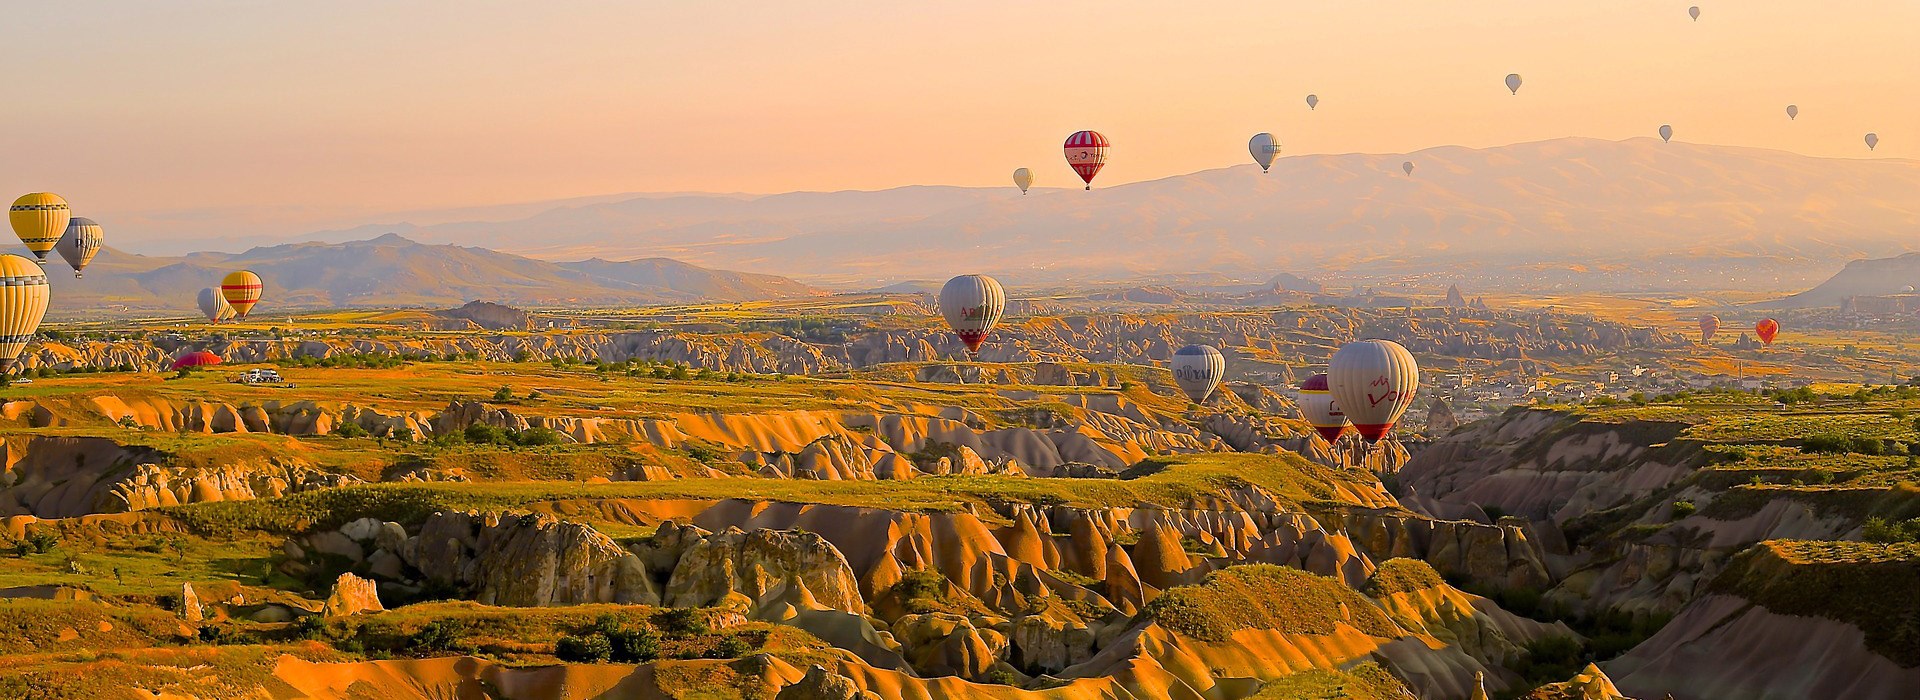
{"type": "Point", "coordinates": [180, 119]}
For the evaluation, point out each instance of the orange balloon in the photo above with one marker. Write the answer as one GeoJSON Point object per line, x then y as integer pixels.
{"type": "Point", "coordinates": [1767, 328]}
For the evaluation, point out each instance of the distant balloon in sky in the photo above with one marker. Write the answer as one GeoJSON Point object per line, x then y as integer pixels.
{"type": "Point", "coordinates": [972, 304]}
{"type": "Point", "coordinates": [1373, 381]}
{"type": "Point", "coordinates": [80, 243]}
{"type": "Point", "coordinates": [39, 219]}
{"type": "Point", "coordinates": [1313, 102]}
{"type": "Point", "coordinates": [1264, 147]}
{"type": "Point", "coordinates": [214, 306]}
{"type": "Point", "coordinates": [23, 302]}
{"type": "Point", "coordinates": [1320, 410]}
{"type": "Point", "coordinates": [1023, 178]}
{"type": "Point", "coordinates": [1873, 140]}
{"type": "Point", "coordinates": [1767, 328]}
{"type": "Point", "coordinates": [1709, 325]}
{"type": "Point", "coordinates": [1513, 82]}
{"type": "Point", "coordinates": [1086, 152]}
{"type": "Point", "coordinates": [1694, 12]}
{"type": "Point", "coordinates": [1793, 112]}
{"type": "Point", "coordinates": [1197, 369]}
{"type": "Point", "coordinates": [1407, 168]}
{"type": "Point", "coordinates": [242, 289]}
{"type": "Point", "coordinates": [1666, 132]}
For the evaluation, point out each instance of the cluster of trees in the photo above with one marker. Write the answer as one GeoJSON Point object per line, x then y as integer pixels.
{"type": "Point", "coordinates": [611, 639]}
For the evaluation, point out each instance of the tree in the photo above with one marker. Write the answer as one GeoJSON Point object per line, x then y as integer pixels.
{"type": "Point", "coordinates": [503, 394]}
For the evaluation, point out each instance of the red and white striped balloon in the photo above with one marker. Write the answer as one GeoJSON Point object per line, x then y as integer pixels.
{"type": "Point", "coordinates": [1086, 152]}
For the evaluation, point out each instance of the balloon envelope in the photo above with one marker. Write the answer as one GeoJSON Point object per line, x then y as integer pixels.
{"type": "Point", "coordinates": [197, 358]}
{"type": "Point", "coordinates": [1513, 82]}
{"type": "Point", "coordinates": [1873, 140]}
{"type": "Point", "coordinates": [1373, 381]}
{"type": "Point", "coordinates": [1767, 328]}
{"type": "Point", "coordinates": [214, 306]}
{"type": "Point", "coordinates": [1666, 132]}
{"type": "Point", "coordinates": [23, 302]}
{"type": "Point", "coordinates": [1263, 147]}
{"type": "Point", "coordinates": [1407, 167]}
{"type": "Point", "coordinates": [1313, 102]}
{"type": "Point", "coordinates": [1086, 151]}
{"type": "Point", "coordinates": [972, 304]}
{"type": "Point", "coordinates": [1709, 325]}
{"type": "Point", "coordinates": [39, 219]}
{"type": "Point", "coordinates": [1793, 111]}
{"type": "Point", "coordinates": [1023, 178]}
{"type": "Point", "coordinates": [1320, 410]}
{"type": "Point", "coordinates": [1694, 12]}
{"type": "Point", "coordinates": [242, 289]}
{"type": "Point", "coordinates": [80, 243]}
{"type": "Point", "coordinates": [1197, 369]}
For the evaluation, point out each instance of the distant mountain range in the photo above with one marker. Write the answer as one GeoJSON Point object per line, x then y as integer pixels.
{"type": "Point", "coordinates": [1879, 277]}
{"type": "Point", "coordinates": [1565, 213]}
{"type": "Point", "coordinates": [393, 271]}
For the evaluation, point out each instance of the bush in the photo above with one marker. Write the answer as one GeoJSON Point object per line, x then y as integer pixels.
{"type": "Point", "coordinates": [1683, 509]}
{"type": "Point", "coordinates": [730, 647]}
{"type": "Point", "coordinates": [347, 429]}
{"type": "Point", "coordinates": [483, 434]}
{"type": "Point", "coordinates": [1828, 443]}
{"type": "Point", "coordinates": [1001, 676]}
{"type": "Point", "coordinates": [1885, 531]}
{"type": "Point", "coordinates": [589, 648]}
{"type": "Point", "coordinates": [503, 394]}
{"type": "Point", "coordinates": [536, 437]}
{"type": "Point", "coordinates": [438, 635]}
{"type": "Point", "coordinates": [42, 541]}
{"type": "Point", "coordinates": [684, 622]}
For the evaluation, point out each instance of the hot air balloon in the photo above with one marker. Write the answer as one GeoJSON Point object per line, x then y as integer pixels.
{"type": "Point", "coordinates": [39, 219]}
{"type": "Point", "coordinates": [1666, 132]}
{"type": "Point", "coordinates": [1873, 140]}
{"type": "Point", "coordinates": [23, 302]}
{"type": "Point", "coordinates": [1694, 12]}
{"type": "Point", "coordinates": [1023, 178]}
{"type": "Point", "coordinates": [1263, 147]}
{"type": "Point", "coordinates": [241, 289]}
{"type": "Point", "coordinates": [1709, 324]}
{"type": "Point", "coordinates": [972, 304]}
{"type": "Point", "coordinates": [1407, 168]}
{"type": "Point", "coordinates": [197, 358]}
{"type": "Point", "coordinates": [80, 243]}
{"type": "Point", "coordinates": [1373, 382]}
{"type": "Point", "coordinates": [1086, 152]}
{"type": "Point", "coordinates": [1793, 112]}
{"type": "Point", "coordinates": [215, 306]}
{"type": "Point", "coordinates": [1317, 404]}
{"type": "Point", "coordinates": [1313, 102]}
{"type": "Point", "coordinates": [1513, 82]}
{"type": "Point", "coordinates": [1767, 328]}
{"type": "Point", "coordinates": [1197, 369]}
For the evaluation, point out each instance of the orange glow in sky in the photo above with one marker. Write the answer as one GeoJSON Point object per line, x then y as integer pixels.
{"type": "Point", "coordinates": [346, 108]}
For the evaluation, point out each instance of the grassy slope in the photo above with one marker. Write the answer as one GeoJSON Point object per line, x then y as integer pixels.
{"type": "Point", "coordinates": [1869, 586]}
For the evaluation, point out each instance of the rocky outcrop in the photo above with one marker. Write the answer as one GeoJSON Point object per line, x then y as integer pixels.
{"type": "Point", "coordinates": [57, 477]}
{"type": "Point", "coordinates": [1589, 684]}
{"type": "Point", "coordinates": [700, 569]}
{"type": "Point", "coordinates": [944, 644]}
{"type": "Point", "coordinates": [351, 594]}
{"type": "Point", "coordinates": [821, 684]}
{"type": "Point", "coordinates": [525, 560]}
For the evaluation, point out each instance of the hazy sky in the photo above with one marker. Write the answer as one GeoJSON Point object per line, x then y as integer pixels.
{"type": "Point", "coordinates": [152, 115]}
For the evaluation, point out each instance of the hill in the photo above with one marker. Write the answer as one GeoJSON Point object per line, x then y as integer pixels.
{"type": "Point", "coordinates": [1879, 277]}
{"type": "Point", "coordinates": [392, 271]}
{"type": "Point", "coordinates": [1603, 214]}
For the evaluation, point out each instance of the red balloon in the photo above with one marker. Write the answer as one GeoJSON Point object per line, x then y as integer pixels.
{"type": "Point", "coordinates": [1766, 329]}
{"type": "Point", "coordinates": [1086, 152]}
{"type": "Point", "coordinates": [197, 358]}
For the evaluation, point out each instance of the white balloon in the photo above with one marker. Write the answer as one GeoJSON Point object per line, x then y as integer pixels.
{"type": "Point", "coordinates": [1374, 382]}
{"type": "Point", "coordinates": [1264, 147]}
{"type": "Point", "coordinates": [972, 305]}
{"type": "Point", "coordinates": [1023, 178]}
{"type": "Point", "coordinates": [1197, 369]}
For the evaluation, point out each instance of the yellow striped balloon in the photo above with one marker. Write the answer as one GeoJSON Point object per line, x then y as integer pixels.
{"type": "Point", "coordinates": [241, 290]}
{"type": "Point", "coordinates": [39, 219]}
{"type": "Point", "coordinates": [23, 302]}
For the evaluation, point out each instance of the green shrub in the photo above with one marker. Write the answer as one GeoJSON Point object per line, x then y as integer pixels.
{"type": "Point", "coordinates": [686, 622]}
{"type": "Point", "coordinates": [503, 394]}
{"type": "Point", "coordinates": [438, 635]}
{"type": "Point", "coordinates": [1683, 509]}
{"type": "Point", "coordinates": [1826, 443]}
{"type": "Point", "coordinates": [349, 429]}
{"type": "Point", "coordinates": [483, 434]}
{"type": "Point", "coordinates": [588, 648]}
{"type": "Point", "coordinates": [730, 647]}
